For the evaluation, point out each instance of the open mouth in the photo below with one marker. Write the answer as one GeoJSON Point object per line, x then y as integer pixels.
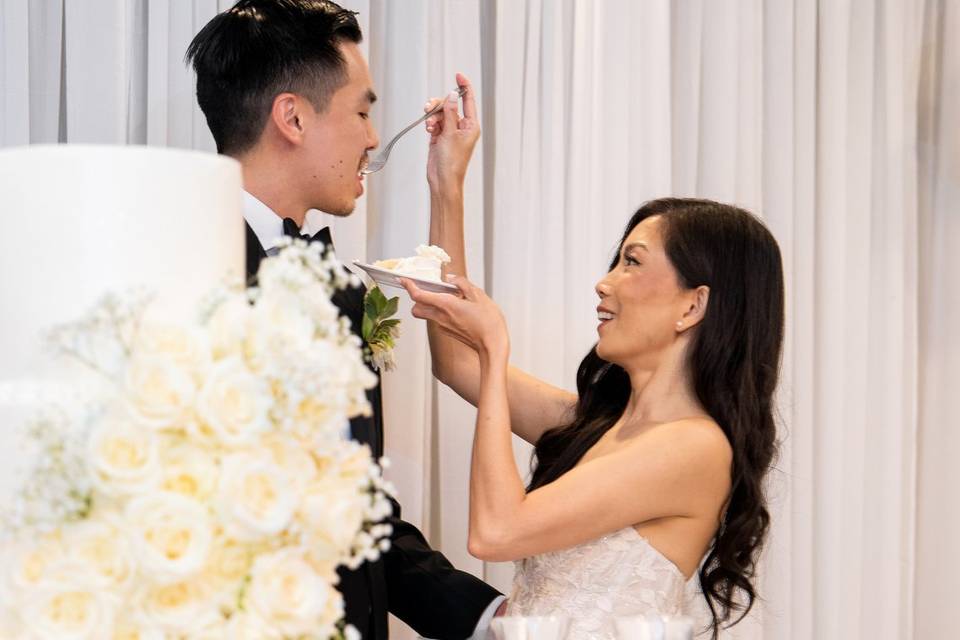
{"type": "Point", "coordinates": [604, 317]}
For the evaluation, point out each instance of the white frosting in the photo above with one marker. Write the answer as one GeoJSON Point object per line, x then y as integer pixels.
{"type": "Point", "coordinates": [78, 221]}
{"type": "Point", "coordinates": [426, 265]}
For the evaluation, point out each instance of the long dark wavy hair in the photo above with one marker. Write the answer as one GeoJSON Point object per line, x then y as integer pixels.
{"type": "Point", "coordinates": [733, 362]}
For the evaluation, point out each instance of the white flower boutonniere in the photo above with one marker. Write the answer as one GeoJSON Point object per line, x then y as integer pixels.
{"type": "Point", "coordinates": [380, 330]}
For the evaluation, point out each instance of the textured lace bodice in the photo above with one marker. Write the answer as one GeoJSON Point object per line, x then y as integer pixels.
{"type": "Point", "coordinates": [619, 574]}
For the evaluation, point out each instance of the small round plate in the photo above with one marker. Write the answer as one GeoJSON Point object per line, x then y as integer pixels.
{"type": "Point", "coordinates": [392, 279]}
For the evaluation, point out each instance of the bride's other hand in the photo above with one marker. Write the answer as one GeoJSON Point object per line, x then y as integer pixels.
{"type": "Point", "coordinates": [452, 138]}
{"type": "Point", "coordinates": [472, 318]}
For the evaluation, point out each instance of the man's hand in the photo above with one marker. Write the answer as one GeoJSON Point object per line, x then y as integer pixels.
{"type": "Point", "coordinates": [452, 139]}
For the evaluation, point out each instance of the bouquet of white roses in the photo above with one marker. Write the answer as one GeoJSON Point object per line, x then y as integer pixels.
{"type": "Point", "coordinates": [212, 493]}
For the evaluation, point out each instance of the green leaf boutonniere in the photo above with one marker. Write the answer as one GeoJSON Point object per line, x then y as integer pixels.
{"type": "Point", "coordinates": [380, 331]}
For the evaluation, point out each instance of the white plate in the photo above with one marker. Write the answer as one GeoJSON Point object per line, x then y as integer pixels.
{"type": "Point", "coordinates": [392, 279]}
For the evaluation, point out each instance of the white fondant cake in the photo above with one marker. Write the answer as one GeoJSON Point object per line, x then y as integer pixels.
{"type": "Point", "coordinates": [79, 221]}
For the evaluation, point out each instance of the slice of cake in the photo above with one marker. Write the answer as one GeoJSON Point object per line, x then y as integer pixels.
{"type": "Point", "coordinates": [426, 265]}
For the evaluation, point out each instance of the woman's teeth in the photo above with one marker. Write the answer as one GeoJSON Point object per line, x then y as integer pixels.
{"type": "Point", "coordinates": [603, 315]}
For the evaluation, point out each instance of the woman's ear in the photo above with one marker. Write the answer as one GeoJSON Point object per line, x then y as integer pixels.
{"type": "Point", "coordinates": [286, 117]}
{"type": "Point", "coordinates": [696, 309]}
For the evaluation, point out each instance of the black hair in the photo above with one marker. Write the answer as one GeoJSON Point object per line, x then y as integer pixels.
{"type": "Point", "coordinates": [734, 363]}
{"type": "Point", "coordinates": [249, 54]}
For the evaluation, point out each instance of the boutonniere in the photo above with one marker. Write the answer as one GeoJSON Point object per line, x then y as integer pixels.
{"type": "Point", "coordinates": [380, 330]}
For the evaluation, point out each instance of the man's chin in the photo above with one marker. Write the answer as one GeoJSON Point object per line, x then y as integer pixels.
{"type": "Point", "coordinates": [341, 210]}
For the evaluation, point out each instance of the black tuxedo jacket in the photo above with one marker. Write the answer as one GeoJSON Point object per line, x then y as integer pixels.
{"type": "Point", "coordinates": [411, 580]}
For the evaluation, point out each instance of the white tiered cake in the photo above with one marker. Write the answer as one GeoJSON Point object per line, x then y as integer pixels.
{"type": "Point", "coordinates": [79, 221]}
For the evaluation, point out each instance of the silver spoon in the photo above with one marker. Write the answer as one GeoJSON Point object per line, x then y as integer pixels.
{"type": "Point", "coordinates": [377, 163]}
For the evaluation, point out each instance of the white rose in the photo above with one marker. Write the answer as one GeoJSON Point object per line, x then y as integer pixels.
{"type": "Point", "coordinates": [247, 626]}
{"type": "Point", "coordinates": [65, 608]}
{"type": "Point", "coordinates": [177, 607]}
{"type": "Point", "coordinates": [123, 456]}
{"type": "Point", "coordinates": [186, 347]}
{"type": "Point", "coordinates": [332, 514]}
{"type": "Point", "coordinates": [289, 454]}
{"type": "Point", "coordinates": [28, 562]}
{"type": "Point", "coordinates": [228, 326]}
{"type": "Point", "coordinates": [256, 497]}
{"type": "Point", "coordinates": [317, 424]}
{"type": "Point", "coordinates": [226, 570]}
{"type": "Point", "coordinates": [126, 628]}
{"type": "Point", "coordinates": [190, 471]}
{"type": "Point", "coordinates": [100, 546]}
{"type": "Point", "coordinates": [290, 597]}
{"type": "Point", "coordinates": [234, 403]}
{"type": "Point", "coordinates": [159, 391]}
{"type": "Point", "coordinates": [170, 534]}
{"type": "Point", "coordinates": [278, 325]}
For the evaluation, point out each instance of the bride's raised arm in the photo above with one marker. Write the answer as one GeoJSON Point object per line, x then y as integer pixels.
{"type": "Point", "coordinates": [535, 406]}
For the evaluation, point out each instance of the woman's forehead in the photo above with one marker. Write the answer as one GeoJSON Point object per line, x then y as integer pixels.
{"type": "Point", "coordinates": [646, 233]}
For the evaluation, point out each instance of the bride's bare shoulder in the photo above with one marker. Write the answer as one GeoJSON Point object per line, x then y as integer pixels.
{"type": "Point", "coordinates": [695, 440]}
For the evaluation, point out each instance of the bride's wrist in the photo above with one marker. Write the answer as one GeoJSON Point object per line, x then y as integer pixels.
{"type": "Point", "coordinates": [447, 188]}
{"type": "Point", "coordinates": [494, 353]}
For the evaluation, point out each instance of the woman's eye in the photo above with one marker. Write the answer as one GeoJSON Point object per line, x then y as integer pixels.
{"type": "Point", "coordinates": [630, 261]}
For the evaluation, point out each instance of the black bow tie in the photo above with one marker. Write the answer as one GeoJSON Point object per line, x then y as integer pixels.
{"type": "Point", "coordinates": [291, 229]}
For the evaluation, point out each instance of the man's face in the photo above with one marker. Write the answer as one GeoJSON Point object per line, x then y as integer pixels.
{"type": "Point", "coordinates": [338, 140]}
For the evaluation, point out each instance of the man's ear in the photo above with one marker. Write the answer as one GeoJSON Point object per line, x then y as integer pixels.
{"type": "Point", "coordinates": [286, 115]}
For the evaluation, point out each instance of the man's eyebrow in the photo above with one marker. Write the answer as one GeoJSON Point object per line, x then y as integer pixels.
{"type": "Point", "coordinates": [371, 96]}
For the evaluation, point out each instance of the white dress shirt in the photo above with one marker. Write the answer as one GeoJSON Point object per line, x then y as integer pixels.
{"type": "Point", "coordinates": [268, 227]}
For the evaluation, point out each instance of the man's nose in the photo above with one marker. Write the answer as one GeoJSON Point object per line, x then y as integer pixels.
{"type": "Point", "coordinates": [373, 139]}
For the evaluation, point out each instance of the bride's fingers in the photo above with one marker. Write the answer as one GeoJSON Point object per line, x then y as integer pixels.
{"type": "Point", "coordinates": [435, 120]}
{"type": "Point", "coordinates": [451, 112]}
{"type": "Point", "coordinates": [426, 297]}
{"type": "Point", "coordinates": [466, 287]}
{"type": "Point", "coordinates": [469, 99]}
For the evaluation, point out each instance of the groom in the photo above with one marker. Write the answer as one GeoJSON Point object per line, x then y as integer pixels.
{"type": "Point", "coordinates": [287, 92]}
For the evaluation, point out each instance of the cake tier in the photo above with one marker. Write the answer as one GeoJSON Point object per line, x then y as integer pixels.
{"type": "Point", "coordinates": [79, 221]}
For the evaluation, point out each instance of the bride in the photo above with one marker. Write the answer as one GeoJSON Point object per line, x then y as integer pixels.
{"type": "Point", "coordinates": [647, 494]}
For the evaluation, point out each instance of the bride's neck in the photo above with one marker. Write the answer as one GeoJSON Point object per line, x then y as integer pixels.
{"type": "Point", "coordinates": [661, 394]}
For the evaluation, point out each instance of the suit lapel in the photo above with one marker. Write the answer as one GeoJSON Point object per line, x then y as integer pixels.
{"type": "Point", "coordinates": [255, 254]}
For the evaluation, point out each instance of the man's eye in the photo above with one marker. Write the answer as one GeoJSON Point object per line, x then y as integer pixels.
{"type": "Point", "coordinates": [364, 115]}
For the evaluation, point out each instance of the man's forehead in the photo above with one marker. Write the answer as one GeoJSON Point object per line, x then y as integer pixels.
{"type": "Point", "coordinates": [358, 73]}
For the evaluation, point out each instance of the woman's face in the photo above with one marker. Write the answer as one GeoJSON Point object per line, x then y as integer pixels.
{"type": "Point", "coordinates": [641, 301]}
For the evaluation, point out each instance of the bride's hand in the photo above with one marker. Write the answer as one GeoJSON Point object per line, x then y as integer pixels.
{"type": "Point", "coordinates": [452, 138]}
{"type": "Point", "coordinates": [473, 319]}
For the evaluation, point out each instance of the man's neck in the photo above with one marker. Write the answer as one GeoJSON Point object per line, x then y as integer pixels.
{"type": "Point", "coordinates": [272, 188]}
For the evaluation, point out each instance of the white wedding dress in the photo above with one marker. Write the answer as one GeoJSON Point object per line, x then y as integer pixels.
{"type": "Point", "coordinates": [619, 574]}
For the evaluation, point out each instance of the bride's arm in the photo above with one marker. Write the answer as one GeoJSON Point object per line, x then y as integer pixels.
{"type": "Point", "coordinates": [535, 406]}
{"type": "Point", "coordinates": [679, 469]}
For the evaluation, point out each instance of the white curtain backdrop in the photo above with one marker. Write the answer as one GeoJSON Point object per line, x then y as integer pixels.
{"type": "Point", "coordinates": [835, 120]}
